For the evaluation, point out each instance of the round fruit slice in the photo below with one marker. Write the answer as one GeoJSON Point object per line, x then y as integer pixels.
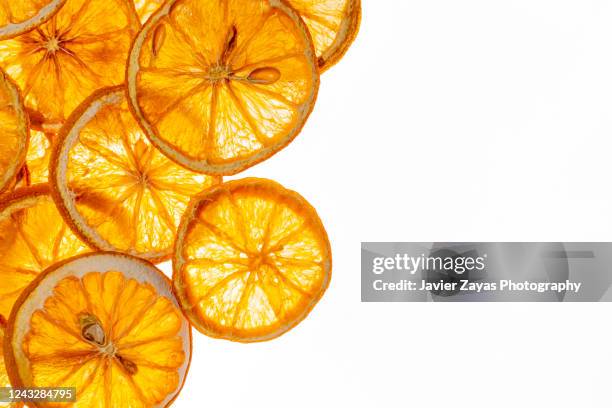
{"type": "Point", "coordinates": [33, 236]}
{"type": "Point", "coordinates": [18, 17]}
{"type": "Point", "coordinates": [107, 324]}
{"type": "Point", "coordinates": [60, 63]}
{"type": "Point", "coordinates": [252, 260]}
{"type": "Point", "coordinates": [13, 132]}
{"type": "Point", "coordinates": [222, 86]}
{"type": "Point", "coordinates": [333, 25]}
{"type": "Point", "coordinates": [114, 188]}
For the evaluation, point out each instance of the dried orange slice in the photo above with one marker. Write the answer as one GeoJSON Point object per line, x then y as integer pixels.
{"type": "Point", "coordinates": [13, 132]}
{"type": "Point", "coordinates": [333, 25]}
{"type": "Point", "coordinates": [33, 236]}
{"type": "Point", "coordinates": [18, 17]}
{"type": "Point", "coordinates": [252, 259]}
{"type": "Point", "coordinates": [145, 8]}
{"type": "Point", "coordinates": [107, 324]}
{"type": "Point", "coordinates": [114, 188]}
{"type": "Point", "coordinates": [82, 48]}
{"type": "Point", "coordinates": [221, 86]}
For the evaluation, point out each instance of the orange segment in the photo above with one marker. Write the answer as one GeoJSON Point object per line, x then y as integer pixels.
{"type": "Point", "coordinates": [60, 63]}
{"type": "Point", "coordinates": [333, 25]}
{"type": "Point", "coordinates": [145, 8]}
{"type": "Point", "coordinates": [33, 236]}
{"type": "Point", "coordinates": [252, 259]}
{"type": "Point", "coordinates": [37, 159]}
{"type": "Point", "coordinates": [20, 16]}
{"type": "Point", "coordinates": [219, 86]}
{"type": "Point", "coordinates": [13, 132]}
{"type": "Point", "coordinates": [113, 187]}
{"type": "Point", "coordinates": [107, 324]}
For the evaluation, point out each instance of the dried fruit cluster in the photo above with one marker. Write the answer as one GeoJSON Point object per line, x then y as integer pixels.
{"type": "Point", "coordinates": [118, 120]}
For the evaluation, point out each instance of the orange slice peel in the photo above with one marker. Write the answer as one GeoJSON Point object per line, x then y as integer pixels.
{"type": "Point", "coordinates": [14, 132]}
{"type": "Point", "coordinates": [18, 17]}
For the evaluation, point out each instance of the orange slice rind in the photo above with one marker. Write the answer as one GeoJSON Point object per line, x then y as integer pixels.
{"type": "Point", "coordinates": [14, 132]}
{"type": "Point", "coordinates": [4, 379]}
{"type": "Point", "coordinates": [252, 259]}
{"type": "Point", "coordinates": [18, 17]}
{"type": "Point", "coordinates": [221, 86]}
{"type": "Point", "coordinates": [105, 323]}
{"type": "Point", "coordinates": [115, 190]}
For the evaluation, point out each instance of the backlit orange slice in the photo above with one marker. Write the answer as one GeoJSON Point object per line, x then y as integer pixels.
{"type": "Point", "coordinates": [219, 86]}
{"type": "Point", "coordinates": [82, 48]}
{"type": "Point", "coordinates": [252, 259]}
{"type": "Point", "coordinates": [13, 132]}
{"type": "Point", "coordinates": [333, 25]}
{"type": "Point", "coordinates": [114, 188]}
{"type": "Point", "coordinates": [33, 236]}
{"type": "Point", "coordinates": [107, 324]}
{"type": "Point", "coordinates": [20, 16]}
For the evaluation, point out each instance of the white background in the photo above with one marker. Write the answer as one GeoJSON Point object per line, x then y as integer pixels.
{"type": "Point", "coordinates": [447, 121]}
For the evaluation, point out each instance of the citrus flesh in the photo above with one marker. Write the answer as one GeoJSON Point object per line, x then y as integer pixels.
{"type": "Point", "coordinates": [13, 132]}
{"type": "Point", "coordinates": [113, 187]}
{"type": "Point", "coordinates": [38, 156]}
{"type": "Point", "coordinates": [252, 259]}
{"type": "Point", "coordinates": [18, 17]}
{"type": "Point", "coordinates": [80, 49]}
{"type": "Point", "coordinates": [145, 8]}
{"type": "Point", "coordinates": [221, 86]}
{"type": "Point", "coordinates": [333, 25]}
{"type": "Point", "coordinates": [105, 323]}
{"type": "Point", "coordinates": [33, 236]}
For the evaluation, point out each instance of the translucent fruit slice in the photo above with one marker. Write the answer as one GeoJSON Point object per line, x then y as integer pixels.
{"type": "Point", "coordinates": [33, 236]}
{"type": "Point", "coordinates": [13, 132]}
{"type": "Point", "coordinates": [114, 188]}
{"type": "Point", "coordinates": [252, 260]}
{"type": "Point", "coordinates": [220, 86]}
{"type": "Point", "coordinates": [333, 24]}
{"type": "Point", "coordinates": [107, 324]}
{"type": "Point", "coordinates": [20, 16]}
{"type": "Point", "coordinates": [82, 48]}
